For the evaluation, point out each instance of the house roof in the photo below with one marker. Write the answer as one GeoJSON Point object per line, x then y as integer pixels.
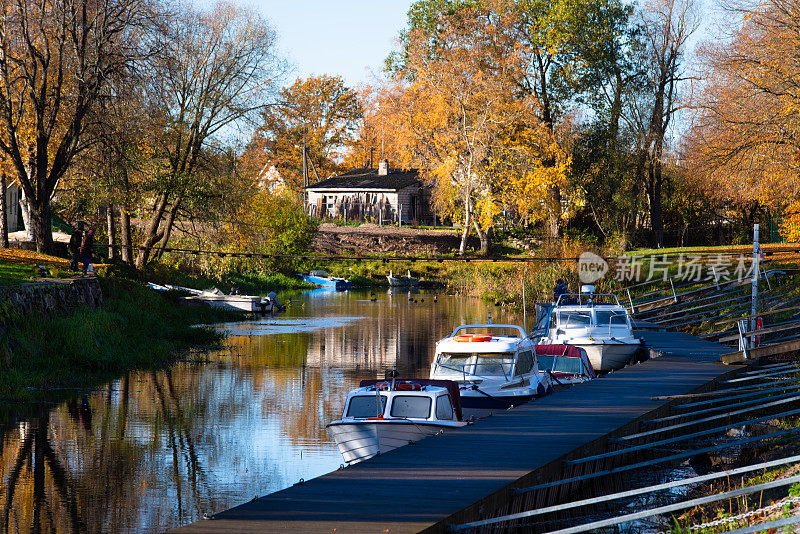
{"type": "Point", "coordinates": [395, 180]}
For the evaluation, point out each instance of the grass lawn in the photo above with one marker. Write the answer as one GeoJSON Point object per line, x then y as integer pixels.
{"type": "Point", "coordinates": [15, 273]}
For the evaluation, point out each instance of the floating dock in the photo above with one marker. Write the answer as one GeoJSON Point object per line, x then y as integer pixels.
{"type": "Point", "coordinates": [471, 473]}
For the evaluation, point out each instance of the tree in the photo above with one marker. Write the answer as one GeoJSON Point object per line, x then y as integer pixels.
{"type": "Point", "coordinates": [666, 25]}
{"type": "Point", "coordinates": [745, 139]}
{"type": "Point", "coordinates": [453, 106]}
{"type": "Point", "coordinates": [319, 115]}
{"type": "Point", "coordinates": [216, 69]}
{"type": "Point", "coordinates": [55, 59]}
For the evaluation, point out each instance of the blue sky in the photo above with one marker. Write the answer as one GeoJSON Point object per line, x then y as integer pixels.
{"type": "Point", "coordinates": [346, 38]}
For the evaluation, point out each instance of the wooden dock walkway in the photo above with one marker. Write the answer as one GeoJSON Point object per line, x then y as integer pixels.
{"type": "Point", "coordinates": [421, 486]}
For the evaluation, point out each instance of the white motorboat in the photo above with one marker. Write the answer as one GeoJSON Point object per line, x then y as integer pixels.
{"type": "Point", "coordinates": [493, 370]}
{"type": "Point", "coordinates": [397, 281]}
{"type": "Point", "coordinates": [246, 303]}
{"type": "Point", "coordinates": [597, 323]}
{"type": "Point", "coordinates": [381, 415]}
{"type": "Point", "coordinates": [566, 364]}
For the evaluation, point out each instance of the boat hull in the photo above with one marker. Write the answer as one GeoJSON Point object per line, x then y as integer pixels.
{"type": "Point", "coordinates": [493, 400]}
{"type": "Point", "coordinates": [360, 440]}
{"type": "Point", "coordinates": [608, 356]}
{"type": "Point", "coordinates": [340, 284]}
{"type": "Point", "coordinates": [235, 302]}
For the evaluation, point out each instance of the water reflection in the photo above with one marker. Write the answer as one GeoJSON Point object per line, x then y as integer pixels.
{"type": "Point", "coordinates": [157, 449]}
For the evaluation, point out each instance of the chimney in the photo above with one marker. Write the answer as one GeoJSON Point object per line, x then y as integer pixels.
{"type": "Point", "coordinates": [383, 167]}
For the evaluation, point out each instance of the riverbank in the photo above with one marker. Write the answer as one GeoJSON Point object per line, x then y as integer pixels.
{"type": "Point", "coordinates": [52, 357]}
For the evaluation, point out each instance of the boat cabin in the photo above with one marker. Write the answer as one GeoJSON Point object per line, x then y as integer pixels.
{"type": "Point", "coordinates": [430, 400]}
{"type": "Point", "coordinates": [584, 315]}
{"type": "Point", "coordinates": [475, 357]}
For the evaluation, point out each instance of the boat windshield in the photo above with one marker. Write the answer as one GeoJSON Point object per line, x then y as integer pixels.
{"type": "Point", "coordinates": [411, 406]}
{"type": "Point", "coordinates": [454, 365]}
{"type": "Point", "coordinates": [612, 318]}
{"type": "Point", "coordinates": [574, 319]}
{"type": "Point", "coordinates": [560, 364]}
{"type": "Point", "coordinates": [494, 364]}
{"type": "Point", "coordinates": [364, 406]}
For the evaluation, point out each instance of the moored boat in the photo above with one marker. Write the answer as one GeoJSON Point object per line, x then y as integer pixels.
{"type": "Point", "coordinates": [246, 303]}
{"type": "Point", "coordinates": [398, 281]}
{"type": "Point", "coordinates": [566, 364]}
{"type": "Point", "coordinates": [597, 323]}
{"type": "Point", "coordinates": [493, 370]}
{"type": "Point", "coordinates": [322, 278]}
{"type": "Point", "coordinates": [382, 415]}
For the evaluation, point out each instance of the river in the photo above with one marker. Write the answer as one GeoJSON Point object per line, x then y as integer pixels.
{"type": "Point", "coordinates": [157, 449]}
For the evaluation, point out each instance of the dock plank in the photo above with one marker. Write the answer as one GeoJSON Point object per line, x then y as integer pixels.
{"type": "Point", "coordinates": [416, 487]}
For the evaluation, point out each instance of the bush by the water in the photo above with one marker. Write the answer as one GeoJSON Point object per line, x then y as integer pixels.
{"type": "Point", "coordinates": [136, 327]}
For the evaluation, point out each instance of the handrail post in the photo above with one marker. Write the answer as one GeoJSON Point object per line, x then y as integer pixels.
{"type": "Point", "coordinates": [743, 341]}
{"type": "Point", "coordinates": [633, 308]}
{"type": "Point", "coordinates": [674, 296]}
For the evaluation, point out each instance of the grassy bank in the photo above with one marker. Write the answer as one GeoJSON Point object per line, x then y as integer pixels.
{"type": "Point", "coordinates": [136, 328]}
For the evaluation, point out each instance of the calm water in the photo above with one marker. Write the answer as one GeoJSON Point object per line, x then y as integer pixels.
{"type": "Point", "coordinates": [156, 450]}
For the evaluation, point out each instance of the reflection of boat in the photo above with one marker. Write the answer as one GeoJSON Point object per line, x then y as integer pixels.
{"type": "Point", "coordinates": [597, 323]}
{"type": "Point", "coordinates": [492, 370]}
{"type": "Point", "coordinates": [409, 410]}
{"type": "Point", "coordinates": [322, 278]}
{"type": "Point", "coordinates": [397, 281]}
{"type": "Point", "coordinates": [566, 364]}
{"type": "Point", "coordinates": [247, 303]}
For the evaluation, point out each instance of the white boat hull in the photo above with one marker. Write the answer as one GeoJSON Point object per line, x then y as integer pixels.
{"type": "Point", "coordinates": [608, 356]}
{"type": "Point", "coordinates": [235, 302]}
{"type": "Point", "coordinates": [360, 440]}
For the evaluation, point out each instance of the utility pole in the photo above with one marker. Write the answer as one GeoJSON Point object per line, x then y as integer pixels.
{"type": "Point", "coordinates": [305, 166]}
{"type": "Point", "coordinates": [756, 272]}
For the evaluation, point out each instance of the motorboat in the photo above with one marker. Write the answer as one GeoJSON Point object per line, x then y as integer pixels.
{"type": "Point", "coordinates": [322, 278]}
{"type": "Point", "coordinates": [493, 369]}
{"type": "Point", "coordinates": [246, 303]}
{"type": "Point", "coordinates": [397, 281]}
{"type": "Point", "coordinates": [597, 323]}
{"type": "Point", "coordinates": [382, 415]}
{"type": "Point", "coordinates": [566, 364]}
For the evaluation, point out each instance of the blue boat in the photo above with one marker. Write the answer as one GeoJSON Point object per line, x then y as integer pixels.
{"type": "Point", "coordinates": [322, 278]}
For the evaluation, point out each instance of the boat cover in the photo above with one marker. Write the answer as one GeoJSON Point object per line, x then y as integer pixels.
{"type": "Point", "coordinates": [570, 351]}
{"type": "Point", "coordinates": [452, 388]}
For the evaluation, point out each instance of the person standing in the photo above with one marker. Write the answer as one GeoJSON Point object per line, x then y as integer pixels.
{"type": "Point", "coordinates": [87, 244]}
{"type": "Point", "coordinates": [75, 241]}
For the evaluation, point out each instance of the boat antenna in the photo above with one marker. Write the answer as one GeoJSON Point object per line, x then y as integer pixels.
{"type": "Point", "coordinates": [524, 314]}
{"type": "Point", "coordinates": [393, 375]}
{"type": "Point", "coordinates": [378, 400]}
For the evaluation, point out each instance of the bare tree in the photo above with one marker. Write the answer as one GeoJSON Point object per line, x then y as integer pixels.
{"type": "Point", "coordinates": [55, 58]}
{"type": "Point", "coordinates": [218, 67]}
{"type": "Point", "coordinates": [666, 25]}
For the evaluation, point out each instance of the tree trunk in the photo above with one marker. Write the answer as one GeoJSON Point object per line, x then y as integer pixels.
{"type": "Point", "coordinates": [483, 236]}
{"type": "Point", "coordinates": [554, 222]}
{"type": "Point", "coordinates": [153, 234]}
{"type": "Point", "coordinates": [41, 217]}
{"type": "Point", "coordinates": [168, 230]}
{"type": "Point", "coordinates": [25, 210]}
{"type": "Point", "coordinates": [467, 216]}
{"type": "Point", "coordinates": [4, 211]}
{"type": "Point", "coordinates": [654, 196]}
{"type": "Point", "coordinates": [112, 238]}
{"type": "Point", "coordinates": [125, 230]}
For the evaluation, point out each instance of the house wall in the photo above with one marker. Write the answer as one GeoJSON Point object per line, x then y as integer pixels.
{"type": "Point", "coordinates": [12, 207]}
{"type": "Point", "coordinates": [411, 200]}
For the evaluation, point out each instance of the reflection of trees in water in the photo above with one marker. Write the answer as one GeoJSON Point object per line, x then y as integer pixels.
{"type": "Point", "coordinates": [88, 466]}
{"type": "Point", "coordinates": [156, 449]}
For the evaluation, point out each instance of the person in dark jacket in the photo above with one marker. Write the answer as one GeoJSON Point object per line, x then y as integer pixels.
{"type": "Point", "coordinates": [75, 246]}
{"type": "Point", "coordinates": [87, 244]}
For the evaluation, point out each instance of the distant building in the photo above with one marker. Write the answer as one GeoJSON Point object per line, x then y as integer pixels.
{"type": "Point", "coordinates": [13, 212]}
{"type": "Point", "coordinates": [380, 195]}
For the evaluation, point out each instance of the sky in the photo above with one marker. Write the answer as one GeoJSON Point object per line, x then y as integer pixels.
{"type": "Point", "coordinates": [349, 38]}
